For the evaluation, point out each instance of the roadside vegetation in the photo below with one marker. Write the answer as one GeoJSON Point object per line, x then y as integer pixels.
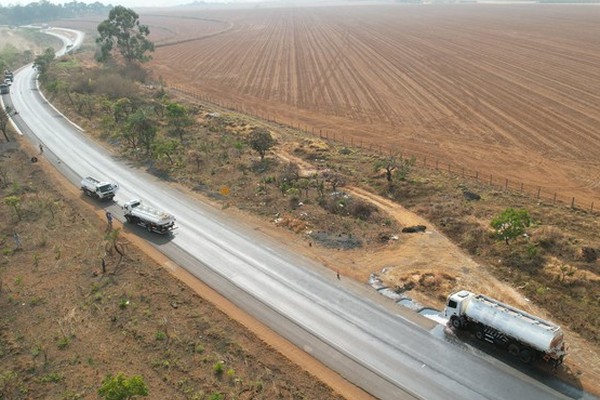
{"type": "Point", "coordinates": [549, 253]}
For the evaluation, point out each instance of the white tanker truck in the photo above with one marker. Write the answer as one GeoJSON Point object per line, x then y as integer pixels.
{"type": "Point", "coordinates": [96, 188]}
{"type": "Point", "coordinates": [150, 218]}
{"type": "Point", "coordinates": [524, 335]}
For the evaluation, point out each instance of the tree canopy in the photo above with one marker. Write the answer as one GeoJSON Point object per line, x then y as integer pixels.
{"type": "Point", "coordinates": [511, 223]}
{"type": "Point", "coordinates": [42, 62]}
{"type": "Point", "coordinates": [123, 30]}
{"type": "Point", "coordinates": [261, 141]}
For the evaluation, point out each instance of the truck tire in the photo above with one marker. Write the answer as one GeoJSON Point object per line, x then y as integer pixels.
{"type": "Point", "coordinates": [149, 228]}
{"type": "Point", "coordinates": [480, 333]}
{"type": "Point", "coordinates": [514, 349]}
{"type": "Point", "coordinates": [128, 218]}
{"type": "Point", "coordinates": [455, 321]}
{"type": "Point", "coordinates": [526, 356]}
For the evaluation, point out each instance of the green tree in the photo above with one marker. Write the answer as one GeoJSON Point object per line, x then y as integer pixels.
{"type": "Point", "coordinates": [165, 148]}
{"type": "Point", "coordinates": [141, 129]}
{"type": "Point", "coordinates": [179, 120]}
{"type": "Point", "coordinates": [261, 141]}
{"type": "Point", "coordinates": [123, 30]}
{"type": "Point", "coordinates": [15, 203]}
{"type": "Point", "coordinates": [511, 223]}
{"type": "Point", "coordinates": [122, 388]}
{"type": "Point", "coordinates": [42, 62]}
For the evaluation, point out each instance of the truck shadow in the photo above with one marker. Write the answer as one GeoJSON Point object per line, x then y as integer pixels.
{"type": "Point", "coordinates": [562, 379]}
{"type": "Point", "coordinates": [117, 213]}
{"type": "Point", "coordinates": [154, 238]}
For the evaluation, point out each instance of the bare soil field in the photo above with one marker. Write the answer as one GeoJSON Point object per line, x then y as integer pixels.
{"type": "Point", "coordinates": [509, 91]}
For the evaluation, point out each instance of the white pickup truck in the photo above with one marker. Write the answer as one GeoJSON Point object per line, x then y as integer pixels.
{"type": "Point", "coordinates": [95, 188]}
{"type": "Point", "coordinates": [150, 218]}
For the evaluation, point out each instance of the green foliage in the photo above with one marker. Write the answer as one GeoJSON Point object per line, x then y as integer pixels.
{"type": "Point", "coordinates": [216, 396]}
{"type": "Point", "coordinates": [63, 342]}
{"type": "Point", "coordinates": [122, 388]}
{"type": "Point", "coordinates": [141, 129]}
{"type": "Point", "coordinates": [261, 141]}
{"type": "Point", "coordinates": [123, 304]}
{"type": "Point", "coordinates": [511, 223]}
{"type": "Point", "coordinates": [42, 62]}
{"type": "Point", "coordinates": [123, 30]}
{"type": "Point", "coordinates": [218, 367]}
{"type": "Point", "coordinates": [179, 120]}
{"type": "Point", "coordinates": [15, 203]}
{"type": "Point", "coordinates": [160, 335]}
{"type": "Point", "coordinates": [53, 377]}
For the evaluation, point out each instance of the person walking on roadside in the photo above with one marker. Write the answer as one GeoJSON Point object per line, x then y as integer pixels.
{"type": "Point", "coordinates": [109, 219]}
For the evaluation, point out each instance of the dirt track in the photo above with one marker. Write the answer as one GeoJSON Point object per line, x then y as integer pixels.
{"type": "Point", "coordinates": [510, 91]}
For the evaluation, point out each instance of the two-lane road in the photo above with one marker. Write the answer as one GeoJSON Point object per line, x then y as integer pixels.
{"type": "Point", "coordinates": [350, 332]}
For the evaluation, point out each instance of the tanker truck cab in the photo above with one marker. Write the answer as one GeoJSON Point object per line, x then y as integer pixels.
{"type": "Point", "coordinates": [455, 307]}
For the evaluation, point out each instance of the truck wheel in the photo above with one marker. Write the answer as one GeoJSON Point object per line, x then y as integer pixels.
{"type": "Point", "coordinates": [455, 321]}
{"type": "Point", "coordinates": [479, 333]}
{"type": "Point", "coordinates": [513, 349]}
{"type": "Point", "coordinates": [149, 228]}
{"type": "Point", "coordinates": [526, 356]}
{"type": "Point", "coordinates": [128, 218]}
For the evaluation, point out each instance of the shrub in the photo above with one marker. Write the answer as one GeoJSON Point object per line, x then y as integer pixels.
{"type": "Point", "coordinates": [218, 368]}
{"type": "Point", "coordinates": [122, 388]}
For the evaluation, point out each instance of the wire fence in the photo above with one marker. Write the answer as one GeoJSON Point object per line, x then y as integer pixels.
{"type": "Point", "coordinates": [493, 181]}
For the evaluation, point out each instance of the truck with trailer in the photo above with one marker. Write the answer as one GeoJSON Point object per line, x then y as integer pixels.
{"type": "Point", "coordinates": [98, 189]}
{"type": "Point", "coordinates": [524, 335]}
{"type": "Point", "coordinates": [150, 218]}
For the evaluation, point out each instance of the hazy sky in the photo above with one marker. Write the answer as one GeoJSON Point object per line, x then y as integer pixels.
{"type": "Point", "coordinates": [126, 3]}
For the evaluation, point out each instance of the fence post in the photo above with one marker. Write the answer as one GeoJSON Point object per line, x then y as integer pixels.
{"type": "Point", "coordinates": [522, 189]}
{"type": "Point", "coordinates": [449, 168]}
{"type": "Point", "coordinates": [573, 202]}
{"type": "Point", "coordinates": [424, 161]}
{"type": "Point", "coordinates": [554, 199]}
{"type": "Point", "coordinates": [506, 185]}
{"type": "Point", "coordinates": [436, 164]}
{"type": "Point", "coordinates": [491, 180]}
{"type": "Point", "coordinates": [538, 193]}
{"type": "Point", "coordinates": [592, 207]}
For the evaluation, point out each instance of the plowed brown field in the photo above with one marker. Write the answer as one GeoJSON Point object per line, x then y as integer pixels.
{"type": "Point", "coordinates": [511, 91]}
